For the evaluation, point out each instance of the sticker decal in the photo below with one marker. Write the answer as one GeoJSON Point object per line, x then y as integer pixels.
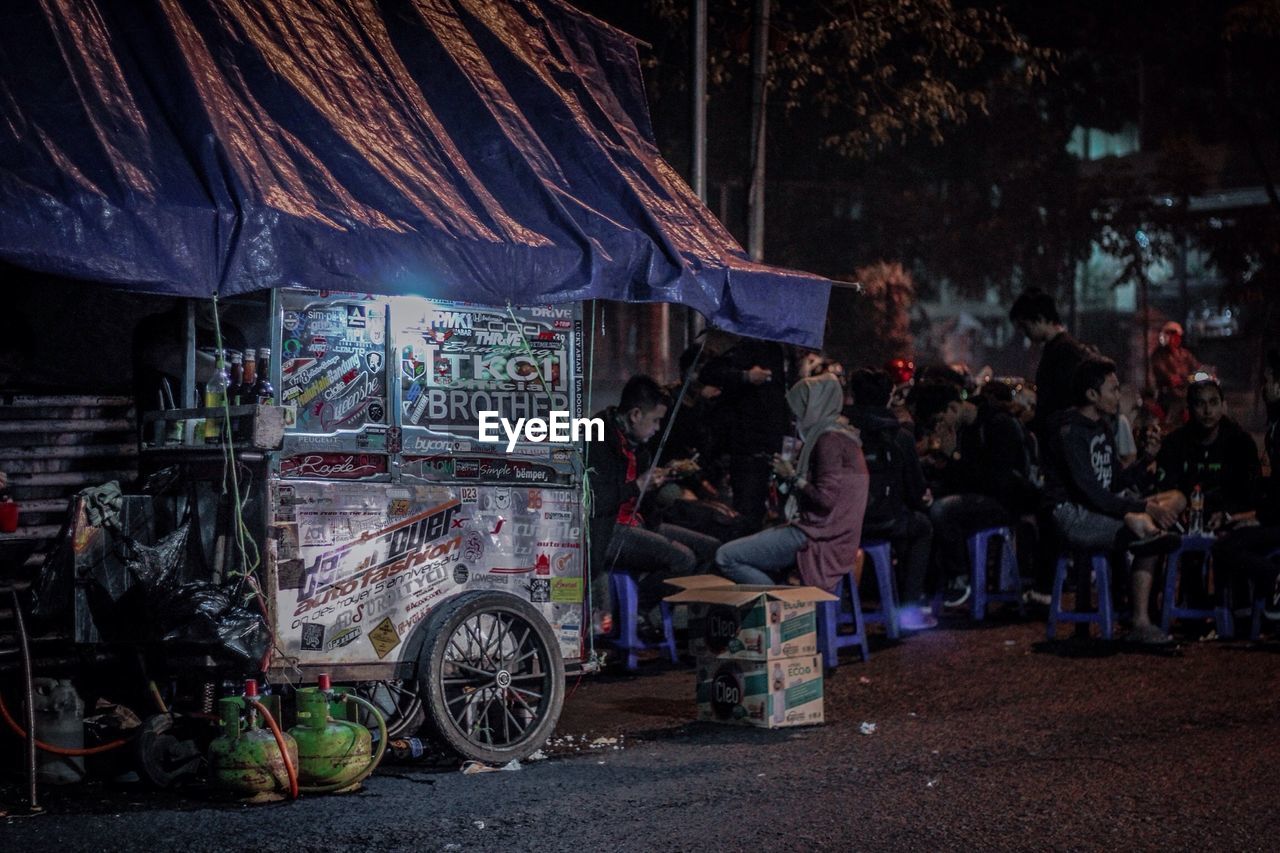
{"type": "Point", "coordinates": [384, 638]}
{"type": "Point", "coordinates": [312, 637]}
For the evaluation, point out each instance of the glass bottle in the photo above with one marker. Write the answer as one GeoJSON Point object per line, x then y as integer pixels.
{"type": "Point", "coordinates": [243, 394]}
{"type": "Point", "coordinates": [215, 395]}
{"type": "Point", "coordinates": [237, 376]}
{"type": "Point", "coordinates": [263, 394]}
{"type": "Point", "coordinates": [1195, 524]}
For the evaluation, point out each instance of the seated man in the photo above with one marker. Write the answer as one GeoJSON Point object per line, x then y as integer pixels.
{"type": "Point", "coordinates": [1213, 452]}
{"type": "Point", "coordinates": [1083, 483]}
{"type": "Point", "coordinates": [827, 496]}
{"type": "Point", "coordinates": [959, 465]}
{"type": "Point", "coordinates": [1245, 551]}
{"type": "Point", "coordinates": [620, 477]}
{"type": "Point", "coordinates": [898, 503]}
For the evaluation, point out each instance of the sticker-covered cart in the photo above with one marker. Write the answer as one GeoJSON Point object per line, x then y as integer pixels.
{"type": "Point", "coordinates": [399, 550]}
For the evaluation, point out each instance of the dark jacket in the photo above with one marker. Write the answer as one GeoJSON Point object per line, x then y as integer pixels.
{"type": "Point", "coordinates": [754, 417]}
{"type": "Point", "coordinates": [1227, 470]}
{"type": "Point", "coordinates": [1083, 467]}
{"type": "Point", "coordinates": [1058, 362]}
{"type": "Point", "coordinates": [991, 459]}
{"type": "Point", "coordinates": [607, 475]}
{"type": "Point", "coordinates": [610, 488]}
{"type": "Point", "coordinates": [1003, 460]}
{"type": "Point", "coordinates": [896, 481]}
{"type": "Point", "coordinates": [690, 427]}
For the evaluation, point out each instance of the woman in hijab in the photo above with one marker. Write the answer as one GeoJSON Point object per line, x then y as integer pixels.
{"type": "Point", "coordinates": [827, 496]}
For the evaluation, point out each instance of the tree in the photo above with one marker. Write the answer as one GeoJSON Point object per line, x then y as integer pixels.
{"type": "Point", "coordinates": [876, 72]}
{"type": "Point", "coordinates": [869, 326]}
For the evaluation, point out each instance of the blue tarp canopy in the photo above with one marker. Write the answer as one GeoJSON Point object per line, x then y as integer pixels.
{"type": "Point", "coordinates": [494, 151]}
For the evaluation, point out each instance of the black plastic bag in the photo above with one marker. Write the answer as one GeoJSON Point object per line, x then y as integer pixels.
{"type": "Point", "coordinates": [203, 614]}
{"type": "Point", "coordinates": [159, 565]}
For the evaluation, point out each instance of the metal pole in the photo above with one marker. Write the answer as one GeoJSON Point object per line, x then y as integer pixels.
{"type": "Point", "coordinates": [189, 357]}
{"type": "Point", "coordinates": [759, 91]}
{"type": "Point", "coordinates": [699, 165]}
{"type": "Point", "coordinates": [698, 171]}
{"type": "Point", "coordinates": [32, 794]}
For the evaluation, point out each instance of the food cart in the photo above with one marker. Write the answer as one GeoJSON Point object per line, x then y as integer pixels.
{"type": "Point", "coordinates": [397, 548]}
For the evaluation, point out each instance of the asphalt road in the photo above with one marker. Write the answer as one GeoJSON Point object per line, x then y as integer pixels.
{"type": "Point", "coordinates": [984, 739]}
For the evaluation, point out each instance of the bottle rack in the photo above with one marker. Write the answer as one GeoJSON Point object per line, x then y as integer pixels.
{"type": "Point", "coordinates": [253, 427]}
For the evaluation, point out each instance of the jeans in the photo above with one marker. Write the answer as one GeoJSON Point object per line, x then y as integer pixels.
{"type": "Point", "coordinates": [653, 556]}
{"type": "Point", "coordinates": [1086, 530]}
{"type": "Point", "coordinates": [762, 558]}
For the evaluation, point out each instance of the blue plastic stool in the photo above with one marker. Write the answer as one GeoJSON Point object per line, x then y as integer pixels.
{"type": "Point", "coordinates": [1101, 565]}
{"type": "Point", "coordinates": [1260, 602]}
{"type": "Point", "coordinates": [1008, 584]}
{"type": "Point", "coordinates": [1221, 615]}
{"type": "Point", "coordinates": [625, 637]}
{"type": "Point", "coordinates": [880, 554]}
{"type": "Point", "coordinates": [830, 640]}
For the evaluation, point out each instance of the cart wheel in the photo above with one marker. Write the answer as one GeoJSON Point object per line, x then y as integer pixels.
{"type": "Point", "coordinates": [492, 677]}
{"type": "Point", "coordinates": [399, 702]}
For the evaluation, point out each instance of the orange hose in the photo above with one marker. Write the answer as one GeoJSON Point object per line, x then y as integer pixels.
{"type": "Point", "coordinates": [58, 750]}
{"type": "Point", "coordinates": [289, 769]}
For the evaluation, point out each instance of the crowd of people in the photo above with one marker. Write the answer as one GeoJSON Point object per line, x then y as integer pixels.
{"type": "Point", "coordinates": [772, 467]}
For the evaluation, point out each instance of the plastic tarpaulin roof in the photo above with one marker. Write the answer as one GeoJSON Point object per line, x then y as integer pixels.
{"type": "Point", "coordinates": [480, 150]}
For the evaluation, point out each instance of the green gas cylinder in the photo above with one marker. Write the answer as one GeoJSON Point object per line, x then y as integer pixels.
{"type": "Point", "coordinates": [333, 754]}
{"type": "Point", "coordinates": [246, 758]}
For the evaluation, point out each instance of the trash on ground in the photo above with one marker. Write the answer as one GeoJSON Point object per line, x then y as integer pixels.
{"type": "Point", "coordinates": [867, 728]}
{"type": "Point", "coordinates": [470, 767]}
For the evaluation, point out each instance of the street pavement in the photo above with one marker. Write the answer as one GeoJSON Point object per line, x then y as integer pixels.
{"type": "Point", "coordinates": [984, 738]}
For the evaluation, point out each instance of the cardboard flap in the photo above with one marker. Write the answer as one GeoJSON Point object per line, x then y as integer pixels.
{"type": "Point", "coordinates": [699, 581]}
{"type": "Point", "coordinates": [796, 594]}
{"type": "Point", "coordinates": [740, 594]}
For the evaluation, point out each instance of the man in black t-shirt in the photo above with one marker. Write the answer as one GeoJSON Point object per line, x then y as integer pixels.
{"type": "Point", "coordinates": [1213, 452]}
{"type": "Point", "coordinates": [1035, 315]}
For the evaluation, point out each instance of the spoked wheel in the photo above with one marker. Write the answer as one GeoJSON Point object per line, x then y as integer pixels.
{"type": "Point", "coordinates": [492, 677]}
{"type": "Point", "coordinates": [399, 702]}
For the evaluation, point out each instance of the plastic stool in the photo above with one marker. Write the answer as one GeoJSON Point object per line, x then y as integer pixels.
{"type": "Point", "coordinates": [1260, 601]}
{"type": "Point", "coordinates": [1100, 562]}
{"type": "Point", "coordinates": [1008, 584]}
{"type": "Point", "coordinates": [830, 640]}
{"type": "Point", "coordinates": [880, 554]}
{"type": "Point", "coordinates": [1221, 615]}
{"type": "Point", "coordinates": [625, 637]}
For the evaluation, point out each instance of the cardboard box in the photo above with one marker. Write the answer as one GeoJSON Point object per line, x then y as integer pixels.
{"type": "Point", "coordinates": [769, 694]}
{"type": "Point", "coordinates": [756, 623]}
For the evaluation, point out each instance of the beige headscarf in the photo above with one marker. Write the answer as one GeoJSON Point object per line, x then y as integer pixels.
{"type": "Point", "coordinates": [816, 402]}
